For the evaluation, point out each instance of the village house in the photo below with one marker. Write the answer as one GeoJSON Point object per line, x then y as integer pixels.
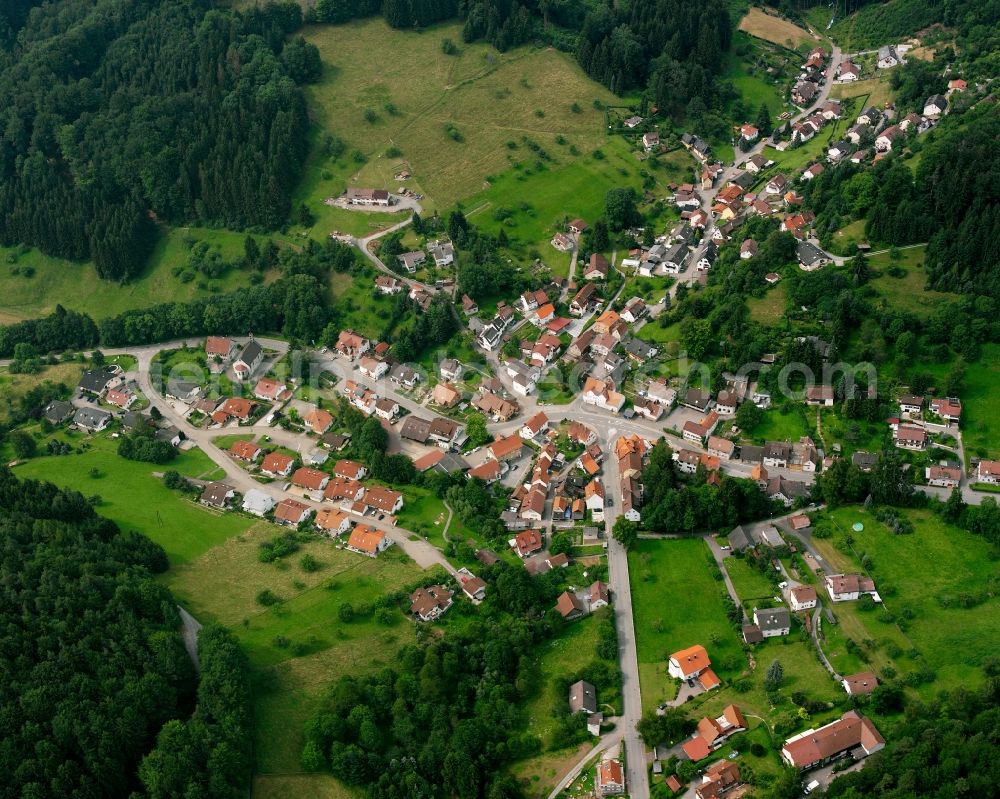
{"type": "Point", "coordinates": [802, 597]}
{"type": "Point", "coordinates": [442, 252]}
{"type": "Point", "coordinates": [660, 392]}
{"type": "Point", "coordinates": [570, 606]}
{"type": "Point", "coordinates": [277, 464]}
{"type": "Point", "coordinates": [888, 57]}
{"type": "Point", "coordinates": [810, 256]}
{"type": "Point", "coordinates": [721, 448]}
{"type": "Point", "coordinates": [431, 602]}
{"type": "Point", "coordinates": [446, 395]}
{"type": "Point", "coordinates": [693, 664]}
{"type": "Point", "coordinates": [496, 407]}
{"type": "Point", "coordinates": [748, 249]}
{"type": "Point", "coordinates": [355, 196]}
{"type": "Point", "coordinates": [387, 409]}
{"type": "Point", "coordinates": [219, 350]}
{"type": "Point", "coordinates": [943, 475]}
{"type": "Point", "coordinates": [411, 260]}
{"type": "Point", "coordinates": [948, 408]}
{"type": "Point", "coordinates": [217, 495]}
{"type": "Point", "coordinates": [582, 698]}
{"type": "Point", "coordinates": [291, 512]}
{"type": "Point", "coordinates": [535, 426]}
{"type": "Point", "coordinates": [813, 748]}
{"type": "Point", "coordinates": [249, 361]}
{"type": "Point", "coordinates": [387, 285]}
{"type": "Point", "coordinates": [257, 503]}
{"type": "Point", "coordinates": [911, 404]}
{"type": "Point", "coordinates": [935, 107]}
{"type": "Point", "coordinates": [697, 432]}
{"type": "Point", "coordinates": [885, 139]}
{"type": "Point", "coordinates": [860, 684]}
{"type": "Point", "coordinates": [718, 780]}
{"type": "Point", "coordinates": [847, 72]}
{"type": "Point", "coordinates": [366, 540]}
{"type": "Point", "coordinates": [848, 587]}
{"type": "Point", "coordinates": [772, 622]}
{"type": "Point", "coordinates": [650, 141]}
{"type": "Point", "coordinates": [610, 778]}
{"type": "Point", "coordinates": [344, 489]}
{"type": "Point", "coordinates": [909, 437]}
{"type": "Point", "coordinates": [382, 500]}
{"type": "Point", "coordinates": [506, 448]}
{"type": "Point", "coordinates": [120, 398]}
{"type": "Point", "coordinates": [584, 300]}
{"type": "Point", "coordinates": [562, 242]}
{"type": "Point", "coordinates": [270, 390]}
{"type": "Point", "coordinates": [332, 522]}
{"type": "Point", "coordinates": [988, 472]}
{"type": "Point", "coordinates": [310, 479]}
{"type": "Point", "coordinates": [245, 451]}
{"type": "Point", "coordinates": [318, 420]}
{"type": "Point", "coordinates": [527, 543]}
{"type": "Point", "coordinates": [820, 395]}
{"type": "Point", "coordinates": [352, 344]}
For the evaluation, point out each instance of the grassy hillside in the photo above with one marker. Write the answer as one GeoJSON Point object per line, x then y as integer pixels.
{"type": "Point", "coordinates": [413, 91]}
{"type": "Point", "coordinates": [31, 284]}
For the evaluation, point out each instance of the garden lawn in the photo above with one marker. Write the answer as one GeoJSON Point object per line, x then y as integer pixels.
{"type": "Point", "coordinates": [136, 500]}
{"type": "Point", "coordinates": [678, 604]}
{"type": "Point", "coordinates": [784, 423]}
{"type": "Point", "coordinates": [878, 90]}
{"type": "Point", "coordinates": [749, 583]}
{"type": "Point", "coordinates": [915, 572]}
{"type": "Point", "coordinates": [769, 309]}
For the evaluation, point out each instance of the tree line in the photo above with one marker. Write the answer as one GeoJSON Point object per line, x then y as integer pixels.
{"type": "Point", "coordinates": [669, 49]}
{"type": "Point", "coordinates": [116, 115]}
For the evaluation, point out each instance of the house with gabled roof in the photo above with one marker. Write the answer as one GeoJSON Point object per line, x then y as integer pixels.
{"type": "Point", "coordinates": [814, 747]}
{"type": "Point", "coordinates": [366, 540]}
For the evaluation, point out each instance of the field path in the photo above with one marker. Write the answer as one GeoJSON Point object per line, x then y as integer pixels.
{"type": "Point", "coordinates": [190, 627]}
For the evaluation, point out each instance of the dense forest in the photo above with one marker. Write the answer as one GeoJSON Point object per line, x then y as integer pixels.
{"type": "Point", "coordinates": [209, 754]}
{"type": "Point", "coordinates": [115, 115]}
{"type": "Point", "coordinates": [91, 656]}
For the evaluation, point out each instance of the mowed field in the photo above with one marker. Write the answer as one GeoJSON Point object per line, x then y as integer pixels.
{"type": "Point", "coordinates": [415, 92]}
{"type": "Point", "coordinates": [773, 29]}
{"type": "Point", "coordinates": [298, 646]}
{"type": "Point", "coordinates": [677, 604]}
{"type": "Point", "coordinates": [917, 572]}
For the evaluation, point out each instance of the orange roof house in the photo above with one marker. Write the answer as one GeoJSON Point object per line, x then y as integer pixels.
{"type": "Point", "coordinates": [311, 479]}
{"type": "Point", "coordinates": [277, 463]}
{"type": "Point", "coordinates": [245, 451]}
{"type": "Point", "coordinates": [318, 420]}
{"type": "Point", "coordinates": [689, 662]}
{"type": "Point", "coordinates": [366, 540]}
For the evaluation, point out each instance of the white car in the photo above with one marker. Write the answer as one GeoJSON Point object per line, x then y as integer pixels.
{"type": "Point", "coordinates": [812, 786]}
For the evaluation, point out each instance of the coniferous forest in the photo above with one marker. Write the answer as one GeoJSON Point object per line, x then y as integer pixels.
{"type": "Point", "coordinates": [117, 115]}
